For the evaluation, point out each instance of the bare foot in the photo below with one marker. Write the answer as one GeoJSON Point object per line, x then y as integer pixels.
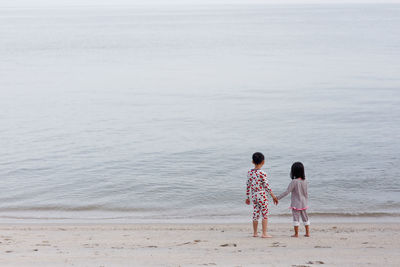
{"type": "Point", "coordinates": [307, 235]}
{"type": "Point", "coordinates": [266, 236]}
{"type": "Point", "coordinates": [295, 236]}
{"type": "Point", "coordinates": [255, 235]}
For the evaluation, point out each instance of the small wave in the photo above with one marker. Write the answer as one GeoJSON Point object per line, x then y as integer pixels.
{"type": "Point", "coordinates": [76, 208]}
{"type": "Point", "coordinates": [166, 212]}
{"type": "Point", "coordinates": [351, 214]}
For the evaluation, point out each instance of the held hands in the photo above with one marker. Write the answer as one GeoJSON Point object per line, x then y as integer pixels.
{"type": "Point", "coordinates": [276, 201]}
{"type": "Point", "coordinates": [248, 201]}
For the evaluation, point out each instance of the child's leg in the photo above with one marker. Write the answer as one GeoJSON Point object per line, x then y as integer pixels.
{"type": "Point", "coordinates": [306, 222]}
{"type": "Point", "coordinates": [255, 225]}
{"type": "Point", "coordinates": [264, 211]}
{"type": "Point", "coordinates": [256, 216]}
{"type": "Point", "coordinates": [264, 228]}
{"type": "Point", "coordinates": [296, 231]}
{"type": "Point", "coordinates": [296, 222]}
{"type": "Point", "coordinates": [307, 230]}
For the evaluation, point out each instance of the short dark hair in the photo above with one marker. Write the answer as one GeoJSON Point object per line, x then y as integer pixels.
{"type": "Point", "coordinates": [258, 158]}
{"type": "Point", "coordinates": [297, 171]}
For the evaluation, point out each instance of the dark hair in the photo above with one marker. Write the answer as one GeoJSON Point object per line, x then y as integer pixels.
{"type": "Point", "coordinates": [297, 171]}
{"type": "Point", "coordinates": [258, 158]}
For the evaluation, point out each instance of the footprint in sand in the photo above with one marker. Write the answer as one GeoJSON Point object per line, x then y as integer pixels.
{"type": "Point", "coordinates": [193, 243]}
{"type": "Point", "coordinates": [228, 245]}
{"type": "Point", "coordinates": [277, 245]}
{"type": "Point", "coordinates": [315, 262]}
{"type": "Point", "coordinates": [186, 243]}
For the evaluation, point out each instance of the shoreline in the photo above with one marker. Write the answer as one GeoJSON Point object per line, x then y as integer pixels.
{"type": "Point", "coordinates": [97, 244]}
{"type": "Point", "coordinates": [281, 219]}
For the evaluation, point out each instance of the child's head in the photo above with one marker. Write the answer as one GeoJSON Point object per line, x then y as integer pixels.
{"type": "Point", "coordinates": [297, 171]}
{"type": "Point", "coordinates": [258, 158]}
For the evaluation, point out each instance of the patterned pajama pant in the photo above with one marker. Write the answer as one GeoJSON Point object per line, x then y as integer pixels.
{"type": "Point", "coordinates": [260, 205]}
{"type": "Point", "coordinates": [296, 217]}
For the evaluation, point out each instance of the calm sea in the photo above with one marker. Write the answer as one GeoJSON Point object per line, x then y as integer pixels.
{"type": "Point", "coordinates": [139, 113]}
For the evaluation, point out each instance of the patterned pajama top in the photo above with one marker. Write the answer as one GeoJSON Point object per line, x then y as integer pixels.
{"type": "Point", "coordinates": [257, 188]}
{"type": "Point", "coordinates": [298, 188]}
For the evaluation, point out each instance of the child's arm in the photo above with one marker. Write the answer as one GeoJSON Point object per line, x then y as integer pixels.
{"type": "Point", "coordinates": [288, 190]}
{"type": "Point", "coordinates": [274, 198]}
{"type": "Point", "coordinates": [248, 192]}
{"type": "Point", "coordinates": [267, 187]}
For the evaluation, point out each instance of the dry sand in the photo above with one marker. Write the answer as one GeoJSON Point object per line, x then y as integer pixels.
{"type": "Point", "coordinates": [197, 245]}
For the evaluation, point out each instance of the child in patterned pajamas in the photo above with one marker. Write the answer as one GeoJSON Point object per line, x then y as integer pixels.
{"type": "Point", "coordinates": [257, 188]}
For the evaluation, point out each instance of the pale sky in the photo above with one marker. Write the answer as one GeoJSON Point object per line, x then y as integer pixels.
{"type": "Point", "coordinates": [42, 3]}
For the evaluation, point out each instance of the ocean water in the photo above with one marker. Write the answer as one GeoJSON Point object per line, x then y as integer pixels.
{"type": "Point", "coordinates": [139, 113]}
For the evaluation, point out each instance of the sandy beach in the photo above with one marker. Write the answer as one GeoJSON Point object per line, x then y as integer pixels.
{"type": "Point", "coordinates": [348, 244]}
